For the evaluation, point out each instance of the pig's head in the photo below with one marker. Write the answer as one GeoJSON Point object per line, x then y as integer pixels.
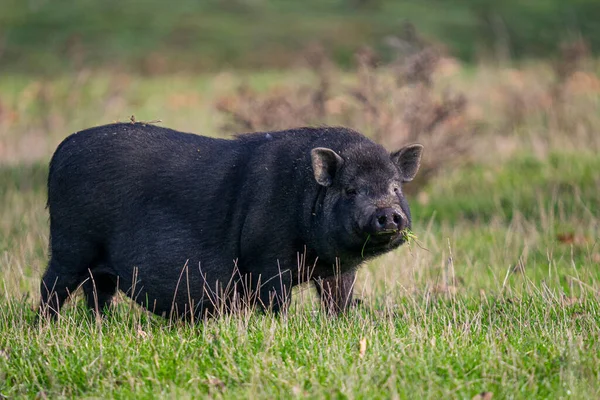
{"type": "Point", "coordinates": [363, 210]}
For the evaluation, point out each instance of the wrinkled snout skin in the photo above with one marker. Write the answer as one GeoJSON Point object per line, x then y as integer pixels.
{"type": "Point", "coordinates": [187, 225]}
{"type": "Point", "coordinates": [385, 215]}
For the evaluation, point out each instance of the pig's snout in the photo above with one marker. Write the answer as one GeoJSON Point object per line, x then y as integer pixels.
{"type": "Point", "coordinates": [388, 219]}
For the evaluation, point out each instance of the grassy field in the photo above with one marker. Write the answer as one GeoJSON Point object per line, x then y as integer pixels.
{"type": "Point", "coordinates": [500, 295]}
{"type": "Point", "coordinates": [153, 36]}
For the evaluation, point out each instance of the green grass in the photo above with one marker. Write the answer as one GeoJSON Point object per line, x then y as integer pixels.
{"type": "Point", "coordinates": [534, 346]}
{"type": "Point", "coordinates": [497, 293]}
{"type": "Point", "coordinates": [154, 36]}
{"type": "Point", "coordinates": [562, 183]}
{"type": "Point", "coordinates": [433, 327]}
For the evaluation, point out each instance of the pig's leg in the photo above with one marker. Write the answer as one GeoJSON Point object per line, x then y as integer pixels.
{"type": "Point", "coordinates": [336, 291]}
{"type": "Point", "coordinates": [71, 256]}
{"type": "Point", "coordinates": [57, 284]}
{"type": "Point", "coordinates": [99, 290]}
{"type": "Point", "coordinates": [275, 291]}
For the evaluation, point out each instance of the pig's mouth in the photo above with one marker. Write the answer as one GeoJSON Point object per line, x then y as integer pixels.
{"type": "Point", "coordinates": [388, 233]}
{"type": "Point", "coordinates": [382, 241]}
{"type": "Point", "coordinates": [388, 237]}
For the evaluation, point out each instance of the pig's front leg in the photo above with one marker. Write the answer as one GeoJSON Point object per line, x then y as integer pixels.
{"type": "Point", "coordinates": [336, 291]}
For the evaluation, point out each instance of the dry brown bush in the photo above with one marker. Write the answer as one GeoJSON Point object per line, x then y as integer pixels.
{"type": "Point", "coordinates": [496, 111]}
{"type": "Point", "coordinates": [409, 100]}
{"type": "Point", "coordinates": [394, 103]}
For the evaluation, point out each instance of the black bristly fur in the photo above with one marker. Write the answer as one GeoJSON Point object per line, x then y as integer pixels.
{"type": "Point", "coordinates": [132, 204]}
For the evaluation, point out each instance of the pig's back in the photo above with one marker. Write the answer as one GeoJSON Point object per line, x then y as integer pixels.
{"type": "Point", "coordinates": [105, 175]}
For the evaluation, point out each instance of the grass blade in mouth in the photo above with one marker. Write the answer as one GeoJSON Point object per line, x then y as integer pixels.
{"type": "Point", "coordinates": [362, 252]}
{"type": "Point", "coordinates": [409, 236]}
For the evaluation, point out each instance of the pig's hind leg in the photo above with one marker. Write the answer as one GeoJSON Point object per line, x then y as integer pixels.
{"type": "Point", "coordinates": [71, 259]}
{"type": "Point", "coordinates": [99, 289]}
{"type": "Point", "coordinates": [55, 288]}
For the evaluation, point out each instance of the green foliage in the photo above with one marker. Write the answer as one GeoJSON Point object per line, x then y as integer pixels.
{"type": "Point", "coordinates": [530, 347]}
{"type": "Point", "coordinates": [530, 334]}
{"type": "Point", "coordinates": [23, 179]}
{"type": "Point", "coordinates": [498, 292]}
{"type": "Point", "coordinates": [153, 36]}
{"type": "Point", "coordinates": [530, 187]}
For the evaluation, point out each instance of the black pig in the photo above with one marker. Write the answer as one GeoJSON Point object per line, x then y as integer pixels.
{"type": "Point", "coordinates": [179, 221]}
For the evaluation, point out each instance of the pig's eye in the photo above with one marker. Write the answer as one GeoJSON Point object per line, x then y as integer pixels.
{"type": "Point", "coordinates": [396, 189]}
{"type": "Point", "coordinates": [351, 192]}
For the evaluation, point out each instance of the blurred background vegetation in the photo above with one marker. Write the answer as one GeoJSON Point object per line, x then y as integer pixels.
{"type": "Point", "coordinates": [505, 96]}
{"type": "Point", "coordinates": [157, 36]}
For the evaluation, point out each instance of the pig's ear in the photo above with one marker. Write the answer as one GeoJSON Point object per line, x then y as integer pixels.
{"type": "Point", "coordinates": [408, 161]}
{"type": "Point", "coordinates": [325, 163]}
